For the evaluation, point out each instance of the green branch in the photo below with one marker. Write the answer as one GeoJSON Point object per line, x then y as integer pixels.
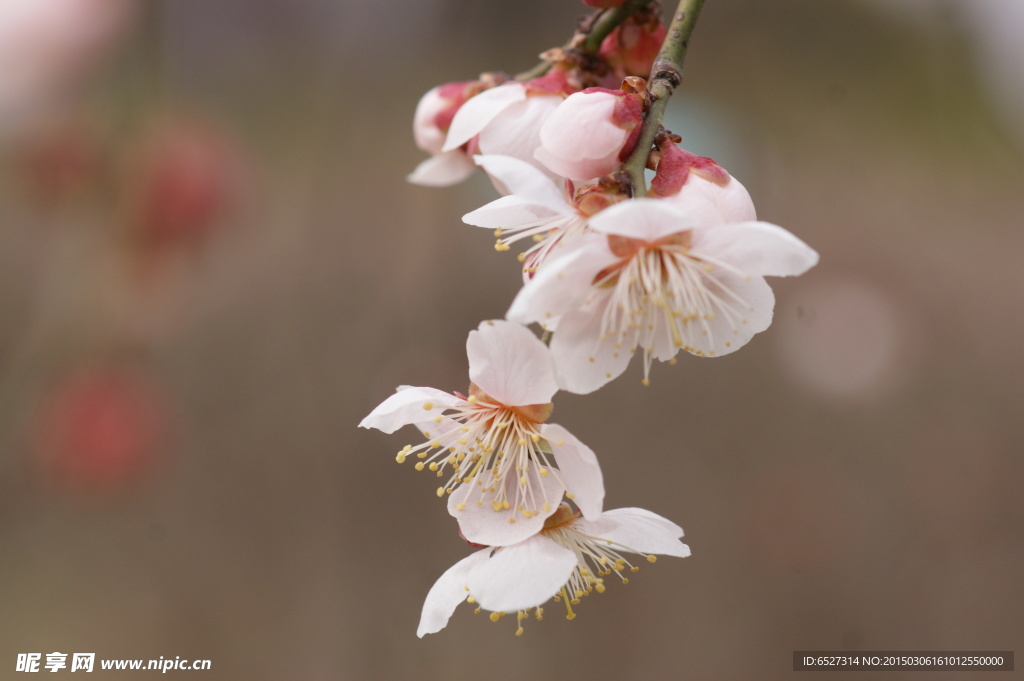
{"type": "Point", "coordinates": [666, 74]}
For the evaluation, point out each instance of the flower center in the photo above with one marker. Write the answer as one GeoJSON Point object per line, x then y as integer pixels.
{"type": "Point", "coordinates": [664, 294]}
{"type": "Point", "coordinates": [495, 448]}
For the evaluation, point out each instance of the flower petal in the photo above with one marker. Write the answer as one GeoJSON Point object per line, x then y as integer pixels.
{"type": "Point", "coordinates": [732, 200]}
{"type": "Point", "coordinates": [578, 468]}
{"type": "Point", "coordinates": [509, 212]}
{"type": "Point", "coordinates": [479, 111]}
{"type": "Point", "coordinates": [522, 576]}
{"type": "Point", "coordinates": [525, 180]}
{"type": "Point", "coordinates": [409, 405]}
{"type": "Point", "coordinates": [515, 131]}
{"type": "Point", "coordinates": [448, 591]}
{"type": "Point", "coordinates": [744, 307]}
{"type": "Point", "coordinates": [637, 530]}
{"type": "Point", "coordinates": [757, 248]}
{"type": "Point", "coordinates": [584, 360]}
{"type": "Point", "coordinates": [443, 170]}
{"type": "Point", "coordinates": [510, 364]}
{"type": "Point", "coordinates": [481, 524]}
{"type": "Point", "coordinates": [564, 282]}
{"type": "Point", "coordinates": [653, 219]}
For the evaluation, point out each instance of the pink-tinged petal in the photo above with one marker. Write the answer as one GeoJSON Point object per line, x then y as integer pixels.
{"type": "Point", "coordinates": [510, 364]}
{"type": "Point", "coordinates": [652, 219]}
{"type": "Point", "coordinates": [746, 309]}
{"type": "Point", "coordinates": [428, 136]}
{"type": "Point", "coordinates": [732, 200]}
{"type": "Point", "coordinates": [409, 405]}
{"type": "Point", "coordinates": [516, 130]}
{"type": "Point", "coordinates": [564, 282]}
{"type": "Point", "coordinates": [522, 576]}
{"type": "Point", "coordinates": [448, 591]}
{"type": "Point", "coordinates": [578, 468]}
{"type": "Point", "coordinates": [757, 248]}
{"type": "Point", "coordinates": [637, 530]}
{"type": "Point", "coordinates": [584, 360]}
{"type": "Point", "coordinates": [508, 212]}
{"type": "Point", "coordinates": [472, 504]}
{"type": "Point", "coordinates": [478, 112]}
{"type": "Point", "coordinates": [581, 139]}
{"type": "Point", "coordinates": [442, 170]}
{"type": "Point", "coordinates": [526, 181]}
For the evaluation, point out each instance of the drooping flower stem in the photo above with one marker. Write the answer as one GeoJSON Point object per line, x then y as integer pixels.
{"type": "Point", "coordinates": [665, 76]}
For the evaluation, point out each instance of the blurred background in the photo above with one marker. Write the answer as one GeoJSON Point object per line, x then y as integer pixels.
{"type": "Point", "coordinates": [211, 268]}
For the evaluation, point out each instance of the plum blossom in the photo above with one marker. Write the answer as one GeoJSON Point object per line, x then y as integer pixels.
{"type": "Point", "coordinates": [591, 133]}
{"type": "Point", "coordinates": [433, 117]}
{"type": "Point", "coordinates": [506, 120]}
{"type": "Point", "coordinates": [660, 275]}
{"type": "Point", "coordinates": [568, 558]}
{"type": "Point", "coordinates": [537, 208]}
{"type": "Point", "coordinates": [504, 467]}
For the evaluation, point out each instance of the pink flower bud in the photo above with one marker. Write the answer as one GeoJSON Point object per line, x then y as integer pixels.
{"type": "Point", "coordinates": [631, 48]}
{"type": "Point", "coordinates": [591, 133]}
{"type": "Point", "coordinates": [683, 177]}
{"type": "Point", "coordinates": [435, 112]}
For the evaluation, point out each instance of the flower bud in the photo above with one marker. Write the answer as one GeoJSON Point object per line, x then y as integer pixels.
{"type": "Point", "coordinates": [683, 177]}
{"type": "Point", "coordinates": [591, 133]}
{"type": "Point", "coordinates": [631, 48]}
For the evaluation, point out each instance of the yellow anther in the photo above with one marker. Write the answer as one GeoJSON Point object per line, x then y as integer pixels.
{"type": "Point", "coordinates": [440, 491]}
{"type": "Point", "coordinates": [522, 442]}
{"type": "Point", "coordinates": [543, 472]}
{"type": "Point", "coordinates": [522, 480]}
{"type": "Point", "coordinates": [428, 405]}
{"type": "Point", "coordinates": [419, 465]}
{"type": "Point", "coordinates": [560, 443]}
{"type": "Point", "coordinates": [570, 495]}
{"type": "Point", "coordinates": [599, 588]}
{"type": "Point", "coordinates": [495, 616]}
{"type": "Point", "coordinates": [521, 615]}
{"type": "Point", "coordinates": [603, 560]}
{"type": "Point", "coordinates": [400, 457]}
{"type": "Point", "coordinates": [538, 237]}
{"type": "Point", "coordinates": [505, 505]}
{"type": "Point", "coordinates": [535, 437]}
{"type": "Point", "coordinates": [646, 381]}
{"type": "Point", "coordinates": [433, 466]}
{"type": "Point", "coordinates": [625, 580]}
{"type": "Point", "coordinates": [635, 568]}
{"type": "Point", "coordinates": [459, 506]}
{"type": "Point", "coordinates": [437, 419]}
{"type": "Point", "coordinates": [674, 361]}
{"type": "Point", "coordinates": [652, 559]}
{"type": "Point", "coordinates": [470, 599]}
{"type": "Point", "coordinates": [471, 399]}
{"type": "Point", "coordinates": [421, 455]}
{"type": "Point", "coordinates": [547, 507]}
{"type": "Point", "coordinates": [519, 631]}
{"type": "Point", "coordinates": [521, 257]}
{"type": "Point", "coordinates": [501, 247]}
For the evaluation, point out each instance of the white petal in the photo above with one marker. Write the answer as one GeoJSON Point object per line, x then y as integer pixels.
{"type": "Point", "coordinates": [578, 468]}
{"type": "Point", "coordinates": [736, 323]}
{"type": "Point", "coordinates": [479, 111]}
{"type": "Point", "coordinates": [511, 364]}
{"type": "Point", "coordinates": [509, 212]}
{"type": "Point", "coordinates": [579, 140]}
{"type": "Point", "coordinates": [522, 576]}
{"type": "Point", "coordinates": [583, 360]}
{"type": "Point", "coordinates": [411, 405]}
{"type": "Point", "coordinates": [481, 524]}
{"type": "Point", "coordinates": [525, 180]}
{"type": "Point", "coordinates": [443, 170]}
{"type": "Point", "coordinates": [446, 594]}
{"type": "Point", "coordinates": [757, 248]}
{"type": "Point", "coordinates": [564, 282]}
{"type": "Point", "coordinates": [652, 219]}
{"type": "Point", "coordinates": [638, 530]}
{"type": "Point", "coordinates": [516, 130]}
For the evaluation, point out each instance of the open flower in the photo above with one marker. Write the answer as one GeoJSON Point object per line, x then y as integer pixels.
{"type": "Point", "coordinates": [504, 467]}
{"type": "Point", "coordinates": [661, 276]}
{"type": "Point", "coordinates": [568, 558]}
{"type": "Point", "coordinates": [536, 208]}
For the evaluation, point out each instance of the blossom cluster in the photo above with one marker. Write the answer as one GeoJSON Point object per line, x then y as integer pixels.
{"type": "Point", "coordinates": [611, 269]}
